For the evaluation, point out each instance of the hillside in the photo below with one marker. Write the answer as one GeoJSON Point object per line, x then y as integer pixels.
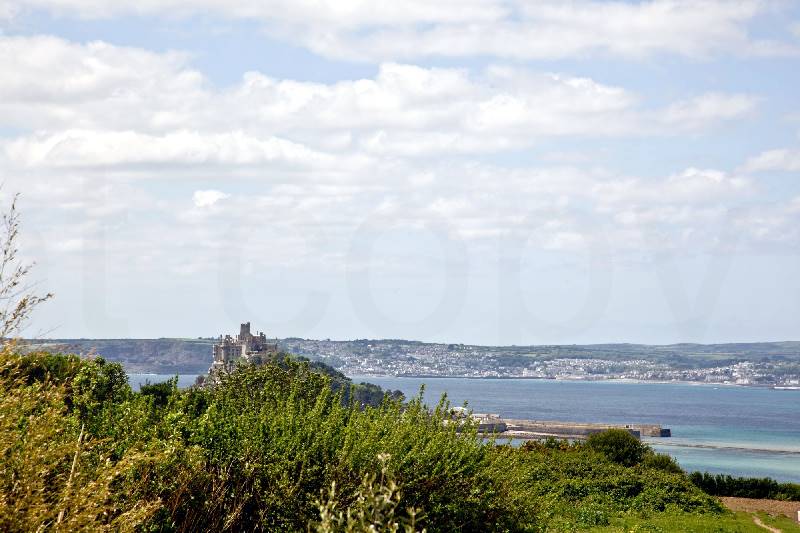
{"type": "Point", "coordinates": [766, 363]}
{"type": "Point", "coordinates": [157, 356]}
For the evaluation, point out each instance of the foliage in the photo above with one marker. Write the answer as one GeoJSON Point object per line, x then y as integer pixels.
{"type": "Point", "coordinates": [742, 487]}
{"type": "Point", "coordinates": [362, 394]}
{"type": "Point", "coordinates": [661, 461]}
{"type": "Point", "coordinates": [38, 367]}
{"type": "Point", "coordinates": [618, 445]}
{"type": "Point", "coordinates": [375, 508]}
{"type": "Point", "coordinates": [581, 483]}
{"type": "Point", "coordinates": [160, 392]}
{"type": "Point", "coordinates": [279, 447]}
{"type": "Point", "coordinates": [50, 476]}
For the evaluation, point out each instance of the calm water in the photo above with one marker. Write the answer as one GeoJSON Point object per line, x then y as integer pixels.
{"type": "Point", "coordinates": [735, 430]}
{"type": "Point", "coordinates": [137, 380]}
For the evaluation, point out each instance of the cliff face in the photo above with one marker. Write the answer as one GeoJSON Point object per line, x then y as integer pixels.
{"type": "Point", "coordinates": [157, 356]}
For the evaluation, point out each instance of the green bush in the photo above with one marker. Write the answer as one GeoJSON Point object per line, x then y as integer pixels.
{"type": "Point", "coordinates": [53, 475]}
{"type": "Point", "coordinates": [591, 516]}
{"type": "Point", "coordinates": [97, 383]}
{"type": "Point", "coordinates": [263, 449]}
{"type": "Point", "coordinates": [661, 461]}
{"type": "Point", "coordinates": [375, 508]}
{"type": "Point", "coordinates": [619, 446]}
{"type": "Point", "coordinates": [574, 475]}
{"type": "Point", "coordinates": [160, 392]}
{"type": "Point", "coordinates": [742, 487]}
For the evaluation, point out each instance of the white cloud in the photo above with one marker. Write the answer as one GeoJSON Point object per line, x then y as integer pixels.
{"type": "Point", "coordinates": [775, 225]}
{"type": "Point", "coordinates": [454, 107]}
{"type": "Point", "coordinates": [99, 105]}
{"type": "Point", "coordinates": [303, 220]}
{"type": "Point", "coordinates": [699, 111]}
{"type": "Point", "coordinates": [106, 126]}
{"type": "Point", "coordinates": [208, 198]}
{"type": "Point", "coordinates": [79, 148]}
{"type": "Point", "coordinates": [49, 83]}
{"type": "Point", "coordinates": [134, 162]}
{"type": "Point", "coordinates": [782, 159]}
{"type": "Point", "coordinates": [555, 30]}
{"type": "Point", "coordinates": [8, 11]}
{"type": "Point", "coordinates": [342, 14]}
{"type": "Point", "coordinates": [546, 29]}
{"type": "Point", "coordinates": [692, 186]}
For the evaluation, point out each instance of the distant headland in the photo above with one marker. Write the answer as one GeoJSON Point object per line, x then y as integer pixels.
{"type": "Point", "coordinates": [770, 364]}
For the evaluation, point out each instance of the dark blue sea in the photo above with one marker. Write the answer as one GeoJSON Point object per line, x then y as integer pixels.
{"type": "Point", "coordinates": [742, 431]}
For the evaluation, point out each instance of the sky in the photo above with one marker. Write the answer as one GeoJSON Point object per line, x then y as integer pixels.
{"type": "Point", "coordinates": [476, 171]}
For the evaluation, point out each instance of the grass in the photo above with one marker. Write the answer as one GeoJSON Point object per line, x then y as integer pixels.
{"type": "Point", "coordinates": [740, 522]}
{"type": "Point", "coordinates": [787, 525]}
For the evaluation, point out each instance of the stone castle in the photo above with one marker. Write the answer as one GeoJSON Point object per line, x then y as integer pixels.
{"type": "Point", "coordinates": [244, 348]}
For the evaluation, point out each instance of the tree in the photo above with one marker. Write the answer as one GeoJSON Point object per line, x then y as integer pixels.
{"type": "Point", "coordinates": [17, 297]}
{"type": "Point", "coordinates": [619, 446]}
{"type": "Point", "coordinates": [97, 383]}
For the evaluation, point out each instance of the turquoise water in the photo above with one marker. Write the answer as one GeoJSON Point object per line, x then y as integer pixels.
{"type": "Point", "coordinates": [734, 430]}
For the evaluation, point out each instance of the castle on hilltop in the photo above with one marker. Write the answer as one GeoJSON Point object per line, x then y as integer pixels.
{"type": "Point", "coordinates": [244, 348]}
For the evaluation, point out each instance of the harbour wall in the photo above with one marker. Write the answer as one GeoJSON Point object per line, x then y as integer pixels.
{"type": "Point", "coordinates": [540, 429]}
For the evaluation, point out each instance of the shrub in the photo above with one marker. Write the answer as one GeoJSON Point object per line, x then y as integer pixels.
{"type": "Point", "coordinates": [52, 472]}
{"type": "Point", "coordinates": [742, 487]}
{"type": "Point", "coordinates": [575, 476]}
{"type": "Point", "coordinates": [375, 508]}
{"type": "Point", "coordinates": [619, 446]}
{"type": "Point", "coordinates": [160, 392]}
{"type": "Point", "coordinates": [592, 516]}
{"type": "Point", "coordinates": [98, 382]}
{"type": "Point", "coordinates": [661, 461]}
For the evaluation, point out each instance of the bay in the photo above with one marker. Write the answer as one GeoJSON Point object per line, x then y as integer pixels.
{"type": "Point", "coordinates": [743, 431]}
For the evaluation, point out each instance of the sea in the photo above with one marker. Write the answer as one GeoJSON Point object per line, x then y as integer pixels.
{"type": "Point", "coordinates": [742, 431]}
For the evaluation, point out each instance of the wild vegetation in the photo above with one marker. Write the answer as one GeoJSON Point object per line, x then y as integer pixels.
{"type": "Point", "coordinates": [276, 448]}
{"type": "Point", "coordinates": [744, 487]}
{"type": "Point", "coordinates": [361, 394]}
{"type": "Point", "coordinates": [18, 299]}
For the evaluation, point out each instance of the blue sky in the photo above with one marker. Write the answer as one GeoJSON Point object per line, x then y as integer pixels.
{"type": "Point", "coordinates": [482, 171]}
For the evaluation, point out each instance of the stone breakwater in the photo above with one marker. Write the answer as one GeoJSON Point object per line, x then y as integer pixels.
{"type": "Point", "coordinates": [542, 429]}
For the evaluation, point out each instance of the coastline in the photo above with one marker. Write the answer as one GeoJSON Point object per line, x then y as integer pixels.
{"type": "Point", "coordinates": [786, 388]}
{"type": "Point", "coordinates": [579, 380]}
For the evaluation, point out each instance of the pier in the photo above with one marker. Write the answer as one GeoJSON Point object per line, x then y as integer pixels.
{"type": "Point", "coordinates": [538, 429]}
{"type": "Point", "coordinates": [542, 429]}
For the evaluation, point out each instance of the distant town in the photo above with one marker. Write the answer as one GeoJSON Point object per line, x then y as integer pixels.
{"type": "Point", "coordinates": [772, 364]}
{"type": "Point", "coordinates": [765, 364]}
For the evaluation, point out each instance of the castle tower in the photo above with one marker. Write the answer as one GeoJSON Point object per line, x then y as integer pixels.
{"type": "Point", "coordinates": [227, 352]}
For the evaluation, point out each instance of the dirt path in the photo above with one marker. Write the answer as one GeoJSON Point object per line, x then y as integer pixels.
{"type": "Point", "coordinates": [772, 507]}
{"type": "Point", "coordinates": [759, 523]}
